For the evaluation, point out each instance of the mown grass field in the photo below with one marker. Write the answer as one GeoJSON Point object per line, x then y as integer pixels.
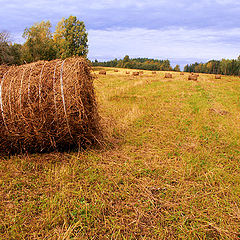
{"type": "Point", "coordinates": [170, 168]}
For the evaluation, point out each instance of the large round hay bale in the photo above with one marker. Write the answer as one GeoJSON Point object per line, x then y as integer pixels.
{"type": "Point", "coordinates": [168, 75]}
{"type": "Point", "coordinates": [48, 106]}
{"type": "Point", "coordinates": [218, 76]}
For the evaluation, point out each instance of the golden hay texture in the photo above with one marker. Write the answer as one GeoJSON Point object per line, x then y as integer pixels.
{"type": "Point", "coordinates": [193, 77]}
{"type": "Point", "coordinates": [168, 75]}
{"type": "Point", "coordinates": [218, 76]}
{"type": "Point", "coordinates": [103, 72]}
{"type": "Point", "coordinates": [154, 72]}
{"type": "Point", "coordinates": [181, 73]}
{"type": "Point", "coordinates": [141, 72]}
{"type": "Point", "coordinates": [135, 73]}
{"type": "Point", "coordinates": [47, 106]}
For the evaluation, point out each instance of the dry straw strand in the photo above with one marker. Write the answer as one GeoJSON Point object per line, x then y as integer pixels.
{"type": "Point", "coordinates": [63, 99]}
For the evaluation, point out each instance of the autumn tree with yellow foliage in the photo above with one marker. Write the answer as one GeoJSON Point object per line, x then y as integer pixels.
{"type": "Point", "coordinates": [39, 44]}
{"type": "Point", "coordinates": [71, 38]}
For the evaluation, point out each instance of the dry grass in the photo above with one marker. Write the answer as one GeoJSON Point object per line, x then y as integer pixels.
{"type": "Point", "coordinates": [170, 169]}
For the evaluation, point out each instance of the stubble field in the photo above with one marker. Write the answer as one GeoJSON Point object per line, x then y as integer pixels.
{"type": "Point", "coordinates": [169, 168]}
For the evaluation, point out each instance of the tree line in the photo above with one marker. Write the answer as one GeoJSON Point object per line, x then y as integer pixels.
{"type": "Point", "coordinates": [69, 39]}
{"type": "Point", "coordinates": [138, 63]}
{"type": "Point", "coordinates": [224, 66]}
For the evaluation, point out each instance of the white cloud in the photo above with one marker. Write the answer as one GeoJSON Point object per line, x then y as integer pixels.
{"type": "Point", "coordinates": [227, 2]}
{"type": "Point", "coordinates": [177, 43]}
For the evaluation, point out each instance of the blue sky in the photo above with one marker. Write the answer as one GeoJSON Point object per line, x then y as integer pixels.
{"type": "Point", "coordinates": [183, 31]}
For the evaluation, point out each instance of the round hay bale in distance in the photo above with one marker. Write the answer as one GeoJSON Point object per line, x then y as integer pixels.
{"type": "Point", "coordinates": [218, 76]}
{"type": "Point", "coordinates": [154, 72]}
{"type": "Point", "coordinates": [135, 73]}
{"type": "Point", "coordinates": [168, 75]}
{"type": "Point", "coordinates": [115, 70]}
{"type": "Point", "coordinates": [127, 72]}
{"type": "Point", "coordinates": [195, 74]}
{"type": "Point", "coordinates": [192, 77]}
{"type": "Point", "coordinates": [102, 72]}
{"type": "Point", "coordinates": [181, 73]}
{"type": "Point", "coordinates": [48, 106]}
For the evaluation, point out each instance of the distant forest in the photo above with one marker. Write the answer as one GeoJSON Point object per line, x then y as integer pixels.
{"type": "Point", "coordinates": [138, 63]}
{"type": "Point", "coordinates": [225, 67]}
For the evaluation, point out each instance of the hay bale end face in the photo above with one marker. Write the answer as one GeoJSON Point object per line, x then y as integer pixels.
{"type": "Point", "coordinates": [102, 72]}
{"type": "Point", "coordinates": [168, 75]}
{"type": "Point", "coordinates": [218, 76]}
{"type": "Point", "coordinates": [135, 73]}
{"type": "Point", "coordinates": [192, 77]}
{"type": "Point", "coordinates": [48, 106]}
